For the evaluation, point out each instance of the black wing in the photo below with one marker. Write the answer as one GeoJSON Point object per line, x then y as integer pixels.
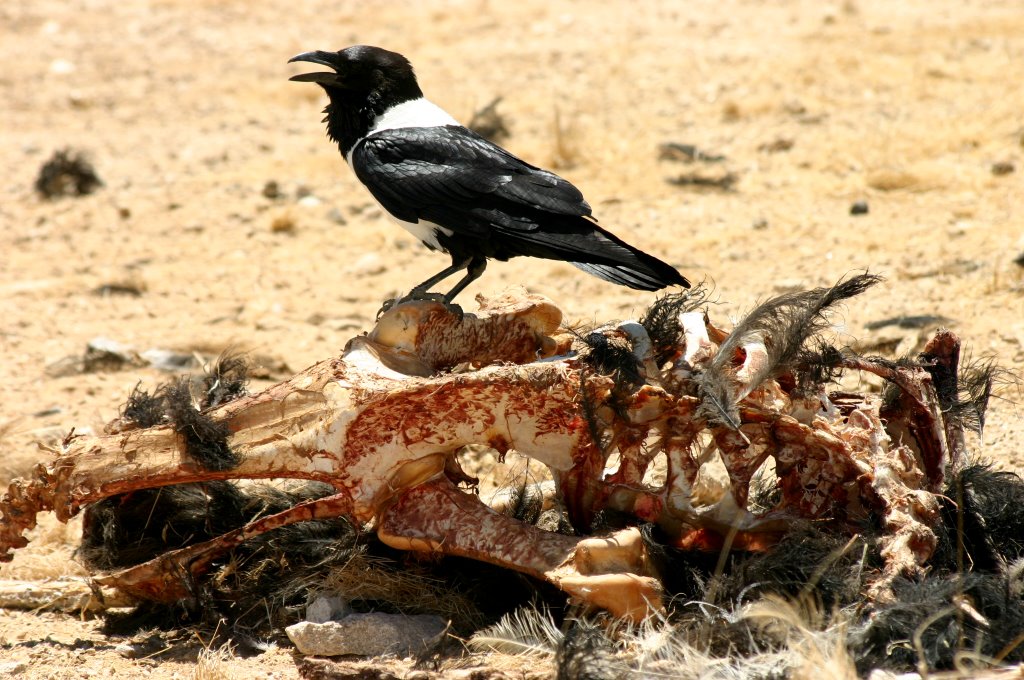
{"type": "Point", "coordinates": [450, 172]}
{"type": "Point", "coordinates": [496, 204]}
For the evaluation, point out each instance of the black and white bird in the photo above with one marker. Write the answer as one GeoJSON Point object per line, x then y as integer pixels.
{"type": "Point", "coordinates": [456, 191]}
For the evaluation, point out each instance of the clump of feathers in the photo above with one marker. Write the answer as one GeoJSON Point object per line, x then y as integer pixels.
{"type": "Point", "coordinates": [938, 622]}
{"type": "Point", "coordinates": [784, 324]}
{"type": "Point", "coordinates": [982, 522]}
{"type": "Point", "coordinates": [610, 356]}
{"type": "Point", "coordinates": [226, 380]}
{"type": "Point", "coordinates": [206, 439]}
{"type": "Point", "coordinates": [661, 321]}
{"type": "Point", "coordinates": [130, 529]}
{"type": "Point", "coordinates": [264, 583]}
{"type": "Point", "coordinates": [614, 357]}
{"type": "Point", "coordinates": [817, 365]}
{"type": "Point", "coordinates": [183, 403]}
{"type": "Point", "coordinates": [965, 400]}
{"type": "Point", "coordinates": [67, 173]}
{"type": "Point", "coordinates": [809, 562]}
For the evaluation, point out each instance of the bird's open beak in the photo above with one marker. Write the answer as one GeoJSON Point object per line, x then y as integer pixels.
{"type": "Point", "coordinates": [318, 57]}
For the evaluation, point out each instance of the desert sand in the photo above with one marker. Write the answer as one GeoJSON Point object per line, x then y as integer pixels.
{"type": "Point", "coordinates": [185, 110]}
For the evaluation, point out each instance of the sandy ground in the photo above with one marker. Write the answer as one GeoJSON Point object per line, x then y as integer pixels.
{"type": "Point", "coordinates": [185, 110]}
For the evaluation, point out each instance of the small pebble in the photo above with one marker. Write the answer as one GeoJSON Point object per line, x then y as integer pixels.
{"type": "Point", "coordinates": [12, 668]}
{"type": "Point", "coordinates": [282, 224]}
{"type": "Point", "coordinates": [61, 67]}
{"type": "Point", "coordinates": [760, 224]}
{"type": "Point", "coordinates": [859, 208]}
{"type": "Point", "coordinates": [1003, 168]}
{"type": "Point", "coordinates": [336, 216]}
{"type": "Point", "coordinates": [272, 190]}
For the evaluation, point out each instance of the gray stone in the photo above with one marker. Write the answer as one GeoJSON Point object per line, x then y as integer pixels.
{"type": "Point", "coordinates": [367, 635]}
{"type": "Point", "coordinates": [327, 608]}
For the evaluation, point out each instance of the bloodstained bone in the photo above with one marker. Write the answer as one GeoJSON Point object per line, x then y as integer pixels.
{"type": "Point", "coordinates": [383, 422]}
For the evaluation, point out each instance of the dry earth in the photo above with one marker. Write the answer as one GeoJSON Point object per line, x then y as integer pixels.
{"type": "Point", "coordinates": [185, 110]}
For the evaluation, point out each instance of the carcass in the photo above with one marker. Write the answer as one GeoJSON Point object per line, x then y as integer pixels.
{"type": "Point", "coordinates": [382, 425]}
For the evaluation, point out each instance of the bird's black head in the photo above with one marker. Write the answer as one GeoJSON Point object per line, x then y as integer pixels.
{"type": "Point", "coordinates": [362, 76]}
{"type": "Point", "coordinates": [364, 83]}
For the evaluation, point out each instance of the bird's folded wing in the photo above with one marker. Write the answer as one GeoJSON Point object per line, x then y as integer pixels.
{"type": "Point", "coordinates": [453, 177]}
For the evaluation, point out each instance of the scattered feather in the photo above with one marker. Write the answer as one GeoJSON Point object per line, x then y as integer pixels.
{"type": "Point", "coordinates": [526, 630]}
{"type": "Point", "coordinates": [977, 382]}
{"type": "Point", "coordinates": [206, 439]}
{"type": "Point", "coordinates": [785, 324]}
{"type": "Point", "coordinates": [661, 320]}
{"type": "Point", "coordinates": [586, 653]}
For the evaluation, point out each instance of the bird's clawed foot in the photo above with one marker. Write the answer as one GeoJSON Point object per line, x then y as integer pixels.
{"type": "Point", "coordinates": [421, 296]}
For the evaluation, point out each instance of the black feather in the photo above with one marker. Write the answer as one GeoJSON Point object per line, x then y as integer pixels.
{"type": "Point", "coordinates": [661, 321]}
{"type": "Point", "coordinates": [586, 653]}
{"type": "Point", "coordinates": [982, 519]}
{"type": "Point", "coordinates": [818, 365]}
{"type": "Point", "coordinates": [613, 357]}
{"type": "Point", "coordinates": [977, 382]}
{"type": "Point", "coordinates": [226, 380]}
{"type": "Point", "coordinates": [131, 528]}
{"type": "Point", "coordinates": [935, 612]}
{"type": "Point", "coordinates": [144, 409]}
{"type": "Point", "coordinates": [183, 403]}
{"type": "Point", "coordinates": [206, 439]}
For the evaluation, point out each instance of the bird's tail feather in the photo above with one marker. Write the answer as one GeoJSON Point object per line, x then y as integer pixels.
{"type": "Point", "coordinates": [581, 242]}
{"type": "Point", "coordinates": [629, 266]}
{"type": "Point", "coordinates": [624, 275]}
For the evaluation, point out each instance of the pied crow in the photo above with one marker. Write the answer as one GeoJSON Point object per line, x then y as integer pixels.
{"type": "Point", "coordinates": [456, 191]}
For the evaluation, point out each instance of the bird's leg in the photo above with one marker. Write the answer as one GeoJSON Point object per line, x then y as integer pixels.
{"type": "Point", "coordinates": [421, 292]}
{"type": "Point", "coordinates": [475, 267]}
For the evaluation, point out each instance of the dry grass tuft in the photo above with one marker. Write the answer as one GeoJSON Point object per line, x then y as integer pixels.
{"type": "Point", "coordinates": [50, 553]}
{"type": "Point", "coordinates": [565, 149]}
{"type": "Point", "coordinates": [816, 644]}
{"type": "Point", "coordinates": [365, 577]}
{"type": "Point", "coordinates": [215, 664]}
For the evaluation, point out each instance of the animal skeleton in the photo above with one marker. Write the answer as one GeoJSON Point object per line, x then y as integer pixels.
{"type": "Point", "coordinates": [383, 422]}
